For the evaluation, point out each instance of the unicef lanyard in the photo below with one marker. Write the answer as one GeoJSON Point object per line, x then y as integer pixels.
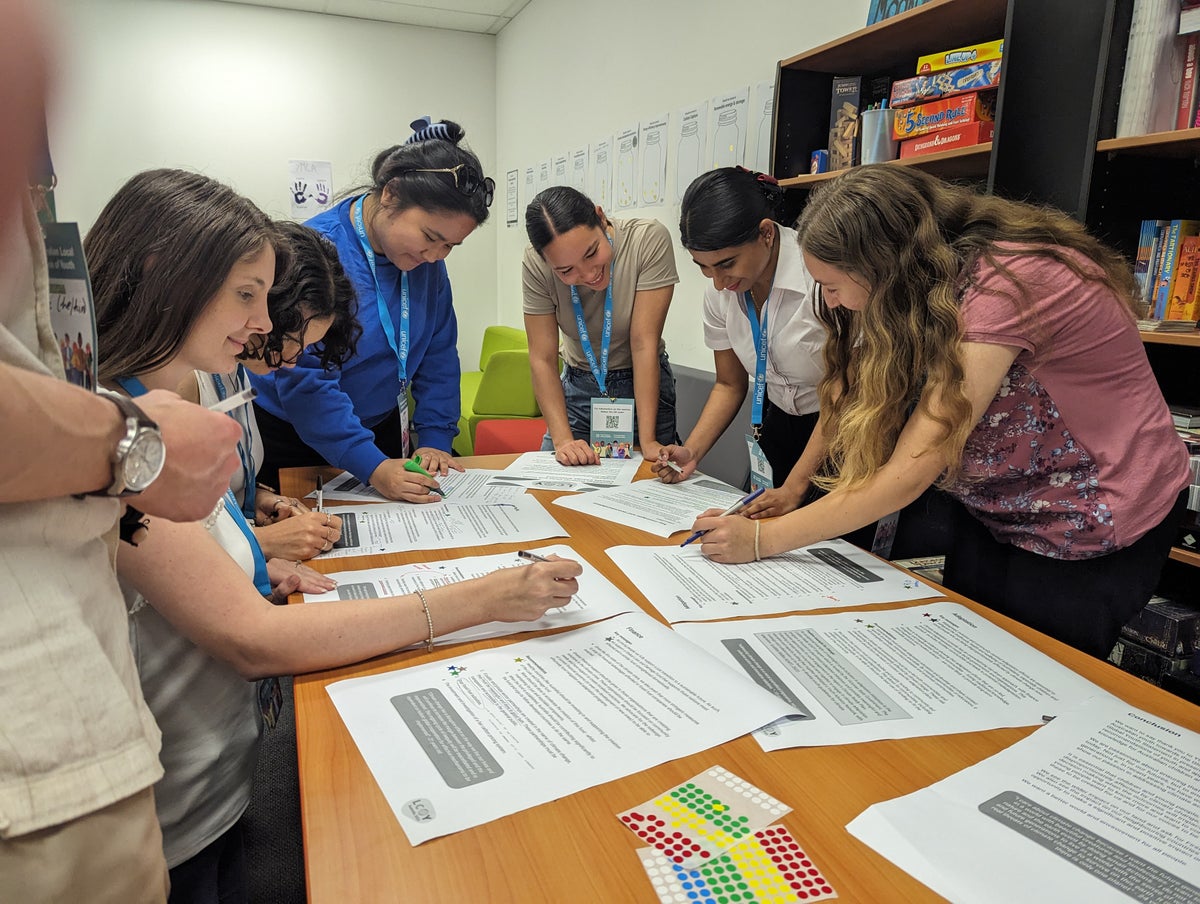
{"type": "Point", "coordinates": [758, 332]}
{"type": "Point", "coordinates": [246, 446]}
{"type": "Point", "coordinates": [135, 388]}
{"type": "Point", "coordinates": [599, 371]}
{"type": "Point", "coordinates": [385, 315]}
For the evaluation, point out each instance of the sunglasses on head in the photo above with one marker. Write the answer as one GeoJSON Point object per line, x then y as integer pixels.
{"type": "Point", "coordinates": [466, 179]}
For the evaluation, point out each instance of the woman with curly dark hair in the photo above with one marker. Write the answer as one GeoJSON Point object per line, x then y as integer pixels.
{"type": "Point", "coordinates": [988, 346]}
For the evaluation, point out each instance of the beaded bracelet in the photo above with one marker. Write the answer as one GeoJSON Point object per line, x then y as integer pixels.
{"type": "Point", "coordinates": [428, 620]}
{"type": "Point", "coordinates": [757, 530]}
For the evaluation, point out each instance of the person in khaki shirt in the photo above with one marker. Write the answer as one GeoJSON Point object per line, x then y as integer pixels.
{"type": "Point", "coordinates": [576, 250]}
{"type": "Point", "coordinates": [78, 749]}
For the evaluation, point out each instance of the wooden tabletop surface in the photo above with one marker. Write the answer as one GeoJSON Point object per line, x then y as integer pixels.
{"type": "Point", "coordinates": [575, 849]}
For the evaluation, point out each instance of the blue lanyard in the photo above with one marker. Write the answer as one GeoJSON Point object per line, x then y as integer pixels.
{"type": "Point", "coordinates": [758, 332]}
{"type": "Point", "coordinates": [135, 387]}
{"type": "Point", "coordinates": [246, 446]}
{"type": "Point", "coordinates": [599, 371]}
{"type": "Point", "coordinates": [385, 314]}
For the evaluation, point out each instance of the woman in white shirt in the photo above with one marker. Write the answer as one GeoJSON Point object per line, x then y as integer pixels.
{"type": "Point", "coordinates": [760, 322]}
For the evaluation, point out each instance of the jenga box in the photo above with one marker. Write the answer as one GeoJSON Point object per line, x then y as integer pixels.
{"type": "Point", "coordinates": [910, 122]}
{"type": "Point", "coordinates": [960, 56]}
{"type": "Point", "coordinates": [955, 137]}
{"type": "Point", "coordinates": [850, 96]}
{"type": "Point", "coordinates": [922, 88]}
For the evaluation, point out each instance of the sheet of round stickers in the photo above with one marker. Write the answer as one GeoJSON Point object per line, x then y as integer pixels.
{"type": "Point", "coordinates": [713, 841]}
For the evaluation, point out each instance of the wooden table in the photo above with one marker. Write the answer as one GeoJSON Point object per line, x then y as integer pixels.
{"type": "Point", "coordinates": [575, 849]}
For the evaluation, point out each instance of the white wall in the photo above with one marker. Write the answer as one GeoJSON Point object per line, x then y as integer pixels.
{"type": "Point", "coordinates": [236, 91]}
{"type": "Point", "coordinates": [570, 71]}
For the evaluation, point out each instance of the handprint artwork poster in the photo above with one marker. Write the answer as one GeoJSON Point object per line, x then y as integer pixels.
{"type": "Point", "coordinates": [310, 187]}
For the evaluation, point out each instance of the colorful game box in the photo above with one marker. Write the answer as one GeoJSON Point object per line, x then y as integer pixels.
{"type": "Point", "coordinates": [948, 139]}
{"type": "Point", "coordinates": [922, 88]}
{"type": "Point", "coordinates": [960, 56]}
{"type": "Point", "coordinates": [850, 96]}
{"type": "Point", "coordinates": [977, 106]}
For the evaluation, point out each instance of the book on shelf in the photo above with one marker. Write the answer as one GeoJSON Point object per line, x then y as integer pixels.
{"type": "Point", "coordinates": [1153, 67]}
{"type": "Point", "coordinates": [1185, 416]}
{"type": "Point", "coordinates": [1166, 326]}
{"type": "Point", "coordinates": [1175, 233]}
{"type": "Point", "coordinates": [1183, 281]}
{"type": "Point", "coordinates": [1189, 90]}
{"type": "Point", "coordinates": [1189, 17]}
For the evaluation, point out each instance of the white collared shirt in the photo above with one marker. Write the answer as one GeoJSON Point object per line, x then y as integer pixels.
{"type": "Point", "coordinates": [795, 336]}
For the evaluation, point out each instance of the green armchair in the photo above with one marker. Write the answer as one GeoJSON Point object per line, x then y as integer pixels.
{"type": "Point", "coordinates": [502, 388]}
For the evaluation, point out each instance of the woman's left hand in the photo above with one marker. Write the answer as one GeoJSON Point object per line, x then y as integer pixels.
{"type": "Point", "coordinates": [289, 577]}
{"type": "Point", "coordinates": [729, 538]}
{"type": "Point", "coordinates": [436, 462]}
{"type": "Point", "coordinates": [299, 536]}
{"type": "Point", "coordinates": [270, 507]}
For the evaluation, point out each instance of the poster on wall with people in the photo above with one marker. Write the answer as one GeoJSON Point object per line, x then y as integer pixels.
{"type": "Point", "coordinates": [72, 311]}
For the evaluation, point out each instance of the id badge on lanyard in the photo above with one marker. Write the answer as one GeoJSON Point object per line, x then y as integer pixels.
{"type": "Point", "coordinates": [399, 343]}
{"type": "Point", "coordinates": [612, 419]}
{"type": "Point", "coordinates": [761, 474]}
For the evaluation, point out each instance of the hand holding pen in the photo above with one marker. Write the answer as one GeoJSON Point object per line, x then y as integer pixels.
{"type": "Point", "coordinates": [736, 507]}
{"type": "Point", "coordinates": [675, 463]}
{"type": "Point", "coordinates": [413, 465]}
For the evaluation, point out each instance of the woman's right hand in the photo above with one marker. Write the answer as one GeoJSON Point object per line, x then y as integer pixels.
{"type": "Point", "coordinates": [394, 482]}
{"type": "Point", "coordinates": [682, 456]}
{"type": "Point", "coordinates": [528, 592]}
{"type": "Point", "coordinates": [576, 452]}
{"type": "Point", "coordinates": [773, 503]}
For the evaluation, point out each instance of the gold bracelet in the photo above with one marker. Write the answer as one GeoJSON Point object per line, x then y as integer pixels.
{"type": "Point", "coordinates": [757, 531]}
{"type": "Point", "coordinates": [428, 620]}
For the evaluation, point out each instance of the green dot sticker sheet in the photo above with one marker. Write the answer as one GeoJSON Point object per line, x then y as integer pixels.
{"type": "Point", "coordinates": [703, 817]}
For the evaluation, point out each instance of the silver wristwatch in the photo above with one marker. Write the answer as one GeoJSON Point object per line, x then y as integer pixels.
{"type": "Point", "coordinates": [139, 455]}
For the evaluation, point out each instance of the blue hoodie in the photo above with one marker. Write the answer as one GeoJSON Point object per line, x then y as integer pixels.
{"type": "Point", "coordinates": [333, 411]}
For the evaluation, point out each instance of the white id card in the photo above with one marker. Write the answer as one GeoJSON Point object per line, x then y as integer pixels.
{"type": "Point", "coordinates": [612, 427]}
{"type": "Point", "coordinates": [761, 474]}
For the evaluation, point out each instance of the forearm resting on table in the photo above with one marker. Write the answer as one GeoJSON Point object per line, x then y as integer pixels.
{"type": "Point", "coordinates": [841, 511]}
{"type": "Point", "coordinates": [58, 438]}
{"type": "Point", "coordinates": [201, 590]}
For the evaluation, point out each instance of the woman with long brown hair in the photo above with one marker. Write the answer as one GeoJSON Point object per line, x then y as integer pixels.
{"type": "Point", "coordinates": [988, 346]}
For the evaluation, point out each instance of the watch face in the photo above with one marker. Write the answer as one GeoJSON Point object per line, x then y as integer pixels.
{"type": "Point", "coordinates": [144, 461]}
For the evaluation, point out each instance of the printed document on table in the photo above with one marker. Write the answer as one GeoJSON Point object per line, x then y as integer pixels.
{"type": "Point", "coordinates": [685, 586]}
{"type": "Point", "coordinates": [1100, 806]}
{"type": "Point", "coordinates": [472, 485]}
{"type": "Point", "coordinates": [896, 673]}
{"type": "Point", "coordinates": [657, 508]}
{"type": "Point", "coordinates": [404, 527]}
{"type": "Point", "coordinates": [539, 471]}
{"type": "Point", "coordinates": [597, 598]}
{"type": "Point", "coordinates": [462, 741]}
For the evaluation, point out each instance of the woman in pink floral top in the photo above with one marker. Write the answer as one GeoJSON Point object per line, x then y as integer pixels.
{"type": "Point", "coordinates": [990, 347]}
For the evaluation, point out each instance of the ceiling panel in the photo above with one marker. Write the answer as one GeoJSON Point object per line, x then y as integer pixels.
{"type": "Point", "coordinates": [480, 16]}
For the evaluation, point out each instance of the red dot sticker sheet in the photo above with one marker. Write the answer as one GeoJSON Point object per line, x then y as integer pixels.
{"type": "Point", "coordinates": [768, 867]}
{"type": "Point", "coordinates": [704, 817]}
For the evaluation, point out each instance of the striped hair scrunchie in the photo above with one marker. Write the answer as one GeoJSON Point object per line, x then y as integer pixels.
{"type": "Point", "coordinates": [424, 129]}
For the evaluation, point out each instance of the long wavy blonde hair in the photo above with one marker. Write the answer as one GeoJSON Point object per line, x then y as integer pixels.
{"type": "Point", "coordinates": [915, 241]}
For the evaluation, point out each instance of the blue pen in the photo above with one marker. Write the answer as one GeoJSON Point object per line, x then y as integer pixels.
{"type": "Point", "coordinates": [741, 503]}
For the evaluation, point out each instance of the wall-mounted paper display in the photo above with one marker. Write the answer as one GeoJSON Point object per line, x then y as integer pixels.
{"type": "Point", "coordinates": [511, 203]}
{"type": "Point", "coordinates": [545, 170]}
{"type": "Point", "coordinates": [690, 147]}
{"type": "Point", "coordinates": [577, 178]}
{"type": "Point", "coordinates": [727, 121]}
{"type": "Point", "coordinates": [625, 184]}
{"type": "Point", "coordinates": [310, 187]}
{"type": "Point", "coordinates": [762, 109]}
{"type": "Point", "coordinates": [654, 161]}
{"type": "Point", "coordinates": [558, 173]}
{"type": "Point", "coordinates": [529, 186]}
{"type": "Point", "coordinates": [602, 173]}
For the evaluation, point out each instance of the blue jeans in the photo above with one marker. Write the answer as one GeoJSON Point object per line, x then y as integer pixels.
{"type": "Point", "coordinates": [579, 388]}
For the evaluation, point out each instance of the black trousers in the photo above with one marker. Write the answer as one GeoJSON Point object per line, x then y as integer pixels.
{"type": "Point", "coordinates": [283, 447]}
{"type": "Point", "coordinates": [1082, 602]}
{"type": "Point", "coordinates": [784, 437]}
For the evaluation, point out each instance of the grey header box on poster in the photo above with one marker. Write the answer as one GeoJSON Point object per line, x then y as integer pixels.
{"type": "Point", "coordinates": [447, 740]}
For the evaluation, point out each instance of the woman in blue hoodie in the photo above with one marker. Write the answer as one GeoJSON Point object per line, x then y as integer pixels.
{"type": "Point", "coordinates": [427, 195]}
